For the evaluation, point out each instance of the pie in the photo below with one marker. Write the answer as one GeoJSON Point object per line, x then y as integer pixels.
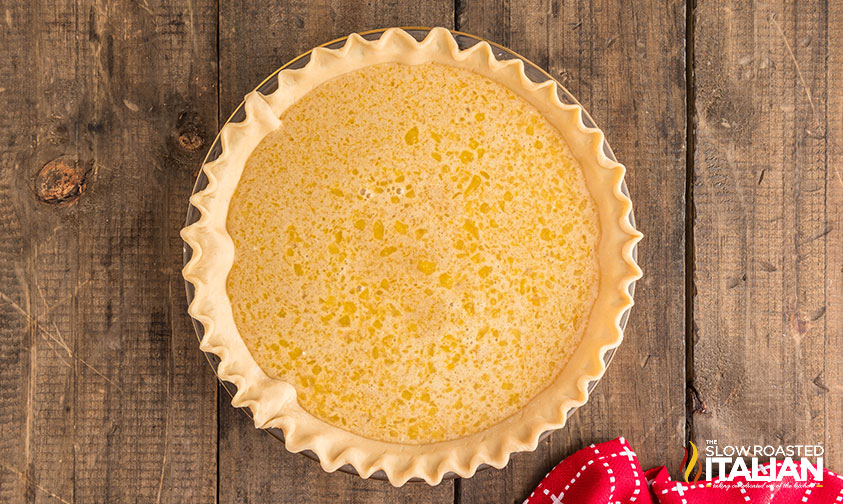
{"type": "Point", "coordinates": [410, 257]}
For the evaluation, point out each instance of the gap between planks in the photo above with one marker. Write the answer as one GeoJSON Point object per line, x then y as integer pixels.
{"type": "Point", "coordinates": [691, 395]}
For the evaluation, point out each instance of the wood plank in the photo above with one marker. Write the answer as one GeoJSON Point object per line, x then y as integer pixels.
{"type": "Point", "coordinates": [104, 396]}
{"type": "Point", "coordinates": [625, 62]}
{"type": "Point", "coordinates": [833, 323]}
{"type": "Point", "coordinates": [767, 235]}
{"type": "Point", "coordinates": [16, 334]}
{"type": "Point", "coordinates": [254, 467]}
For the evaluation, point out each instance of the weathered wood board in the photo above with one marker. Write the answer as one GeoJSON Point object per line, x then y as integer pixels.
{"type": "Point", "coordinates": [767, 193]}
{"type": "Point", "coordinates": [107, 109]}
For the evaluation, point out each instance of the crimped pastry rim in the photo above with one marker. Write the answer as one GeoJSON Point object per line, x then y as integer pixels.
{"type": "Point", "coordinates": [272, 401]}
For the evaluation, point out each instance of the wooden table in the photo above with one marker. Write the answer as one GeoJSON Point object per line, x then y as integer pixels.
{"type": "Point", "coordinates": [728, 114]}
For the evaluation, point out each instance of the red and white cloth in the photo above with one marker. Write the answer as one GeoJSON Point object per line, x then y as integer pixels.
{"type": "Point", "coordinates": [609, 473]}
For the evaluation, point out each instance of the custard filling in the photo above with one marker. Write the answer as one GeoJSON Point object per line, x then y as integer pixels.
{"type": "Point", "coordinates": [415, 251]}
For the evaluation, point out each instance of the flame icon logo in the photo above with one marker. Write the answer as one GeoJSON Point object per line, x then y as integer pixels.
{"type": "Point", "coordinates": [688, 465]}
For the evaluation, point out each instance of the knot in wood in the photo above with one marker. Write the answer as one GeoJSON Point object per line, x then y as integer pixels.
{"type": "Point", "coordinates": [62, 180]}
{"type": "Point", "coordinates": [189, 133]}
{"type": "Point", "coordinates": [190, 140]}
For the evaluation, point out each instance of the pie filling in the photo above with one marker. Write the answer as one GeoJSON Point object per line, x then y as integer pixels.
{"type": "Point", "coordinates": [415, 251]}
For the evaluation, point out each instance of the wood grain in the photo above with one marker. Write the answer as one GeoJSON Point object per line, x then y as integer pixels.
{"type": "Point", "coordinates": [624, 61]}
{"type": "Point", "coordinates": [104, 398]}
{"type": "Point", "coordinates": [767, 233]}
{"type": "Point", "coordinates": [254, 467]}
{"type": "Point", "coordinates": [832, 330]}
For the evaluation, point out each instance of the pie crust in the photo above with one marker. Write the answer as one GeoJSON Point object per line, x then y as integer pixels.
{"type": "Point", "coordinates": [273, 402]}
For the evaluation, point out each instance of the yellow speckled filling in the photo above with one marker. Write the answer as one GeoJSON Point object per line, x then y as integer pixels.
{"type": "Point", "coordinates": [415, 252]}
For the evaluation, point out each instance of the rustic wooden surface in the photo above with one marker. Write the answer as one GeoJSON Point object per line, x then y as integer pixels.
{"type": "Point", "coordinates": [768, 194]}
{"type": "Point", "coordinates": [110, 107]}
{"type": "Point", "coordinates": [107, 111]}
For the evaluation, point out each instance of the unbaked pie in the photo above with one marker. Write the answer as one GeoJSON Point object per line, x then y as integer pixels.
{"type": "Point", "coordinates": [411, 258]}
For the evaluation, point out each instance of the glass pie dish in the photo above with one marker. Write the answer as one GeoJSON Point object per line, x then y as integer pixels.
{"type": "Point", "coordinates": [463, 42]}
